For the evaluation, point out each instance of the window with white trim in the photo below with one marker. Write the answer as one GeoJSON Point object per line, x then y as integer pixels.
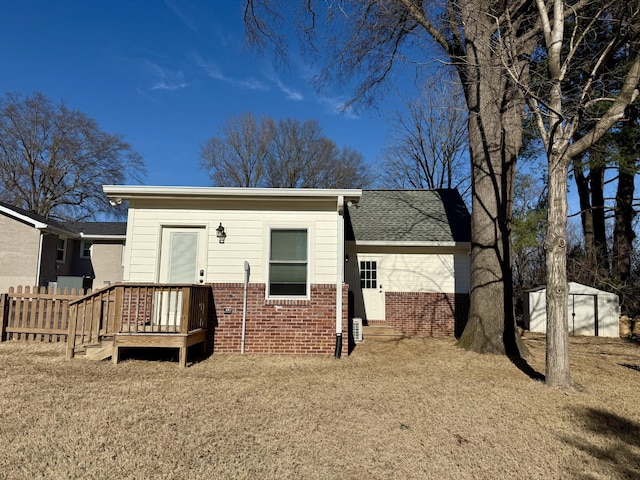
{"type": "Point", "coordinates": [85, 249]}
{"type": "Point", "coordinates": [61, 250]}
{"type": "Point", "coordinates": [288, 263]}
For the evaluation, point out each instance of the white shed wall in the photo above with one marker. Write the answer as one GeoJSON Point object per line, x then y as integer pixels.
{"type": "Point", "coordinates": [582, 302]}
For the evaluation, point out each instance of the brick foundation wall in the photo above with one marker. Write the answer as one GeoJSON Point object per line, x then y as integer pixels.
{"type": "Point", "coordinates": [427, 314]}
{"type": "Point", "coordinates": [276, 326]}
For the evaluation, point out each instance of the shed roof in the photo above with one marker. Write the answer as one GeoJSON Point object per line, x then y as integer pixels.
{"type": "Point", "coordinates": [420, 217]}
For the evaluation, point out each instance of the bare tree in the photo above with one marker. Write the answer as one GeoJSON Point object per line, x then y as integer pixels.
{"type": "Point", "coordinates": [368, 39]}
{"type": "Point", "coordinates": [283, 154]}
{"type": "Point", "coordinates": [238, 156]}
{"type": "Point", "coordinates": [429, 147]}
{"type": "Point", "coordinates": [558, 107]}
{"type": "Point", "coordinates": [493, 46]}
{"type": "Point", "coordinates": [54, 160]}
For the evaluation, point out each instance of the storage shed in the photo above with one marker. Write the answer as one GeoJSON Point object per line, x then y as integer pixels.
{"type": "Point", "coordinates": [591, 311]}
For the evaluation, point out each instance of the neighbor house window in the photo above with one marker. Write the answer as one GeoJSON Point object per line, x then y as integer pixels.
{"type": "Point", "coordinates": [369, 274]}
{"type": "Point", "coordinates": [61, 252]}
{"type": "Point", "coordinates": [288, 263]}
{"type": "Point", "coordinates": [85, 250]}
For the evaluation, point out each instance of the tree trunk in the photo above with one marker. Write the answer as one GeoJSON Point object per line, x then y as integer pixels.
{"type": "Point", "coordinates": [557, 354]}
{"type": "Point", "coordinates": [623, 234]}
{"type": "Point", "coordinates": [495, 136]}
{"type": "Point", "coordinates": [599, 224]}
{"type": "Point", "coordinates": [586, 218]}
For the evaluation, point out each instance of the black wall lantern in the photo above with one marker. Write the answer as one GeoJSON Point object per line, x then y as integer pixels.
{"type": "Point", "coordinates": [220, 233]}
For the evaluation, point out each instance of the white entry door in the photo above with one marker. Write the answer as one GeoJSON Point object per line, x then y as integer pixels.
{"type": "Point", "coordinates": [371, 287]}
{"type": "Point", "coordinates": [183, 259]}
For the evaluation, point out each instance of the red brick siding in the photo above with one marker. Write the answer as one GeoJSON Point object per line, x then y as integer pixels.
{"type": "Point", "coordinates": [276, 326]}
{"type": "Point", "coordinates": [137, 305]}
{"type": "Point", "coordinates": [427, 314]}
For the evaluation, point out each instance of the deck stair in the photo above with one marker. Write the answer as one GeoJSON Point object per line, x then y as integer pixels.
{"type": "Point", "coordinates": [99, 351]}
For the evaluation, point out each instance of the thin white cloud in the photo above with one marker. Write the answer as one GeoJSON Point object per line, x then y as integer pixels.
{"type": "Point", "coordinates": [165, 79]}
{"type": "Point", "coordinates": [213, 71]}
{"type": "Point", "coordinates": [337, 106]}
{"type": "Point", "coordinates": [289, 93]}
{"type": "Point", "coordinates": [182, 16]}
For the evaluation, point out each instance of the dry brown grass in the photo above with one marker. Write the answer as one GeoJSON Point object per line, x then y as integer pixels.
{"type": "Point", "coordinates": [416, 408]}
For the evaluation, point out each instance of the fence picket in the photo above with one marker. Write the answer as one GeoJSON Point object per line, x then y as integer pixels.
{"type": "Point", "coordinates": [36, 313]}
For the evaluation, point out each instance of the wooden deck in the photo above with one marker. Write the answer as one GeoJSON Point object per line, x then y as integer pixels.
{"type": "Point", "coordinates": [139, 315]}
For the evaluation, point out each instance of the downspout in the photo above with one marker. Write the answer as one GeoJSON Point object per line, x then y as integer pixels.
{"type": "Point", "coordinates": [247, 270]}
{"type": "Point", "coordinates": [38, 266]}
{"type": "Point", "coordinates": [339, 276]}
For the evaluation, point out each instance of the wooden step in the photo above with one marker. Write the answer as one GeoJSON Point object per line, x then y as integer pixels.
{"type": "Point", "coordinates": [99, 351]}
{"type": "Point", "coordinates": [380, 330]}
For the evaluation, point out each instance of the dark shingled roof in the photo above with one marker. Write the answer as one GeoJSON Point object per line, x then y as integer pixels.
{"type": "Point", "coordinates": [100, 228]}
{"type": "Point", "coordinates": [409, 216]}
{"type": "Point", "coordinates": [35, 217]}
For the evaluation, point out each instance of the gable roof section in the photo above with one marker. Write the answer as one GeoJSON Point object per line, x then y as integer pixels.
{"type": "Point", "coordinates": [33, 219]}
{"type": "Point", "coordinates": [89, 230]}
{"type": "Point", "coordinates": [409, 217]}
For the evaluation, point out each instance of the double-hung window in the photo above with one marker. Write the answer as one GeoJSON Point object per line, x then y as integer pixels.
{"type": "Point", "coordinates": [288, 263]}
{"type": "Point", "coordinates": [85, 250]}
{"type": "Point", "coordinates": [61, 250]}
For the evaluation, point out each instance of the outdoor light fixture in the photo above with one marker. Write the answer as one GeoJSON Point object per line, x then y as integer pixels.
{"type": "Point", "coordinates": [220, 233]}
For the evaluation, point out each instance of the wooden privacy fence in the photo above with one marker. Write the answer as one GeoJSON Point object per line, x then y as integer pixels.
{"type": "Point", "coordinates": [36, 313]}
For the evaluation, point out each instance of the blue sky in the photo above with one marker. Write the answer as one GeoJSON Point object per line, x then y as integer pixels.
{"type": "Point", "coordinates": [167, 74]}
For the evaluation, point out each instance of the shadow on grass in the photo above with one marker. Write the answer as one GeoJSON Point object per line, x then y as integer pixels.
{"type": "Point", "coordinates": [620, 457]}
{"type": "Point", "coordinates": [522, 365]}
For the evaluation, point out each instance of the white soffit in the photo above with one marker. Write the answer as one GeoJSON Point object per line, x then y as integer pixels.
{"type": "Point", "coordinates": [127, 192]}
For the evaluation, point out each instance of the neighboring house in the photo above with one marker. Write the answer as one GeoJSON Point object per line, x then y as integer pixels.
{"type": "Point", "coordinates": [289, 246]}
{"type": "Point", "coordinates": [37, 251]}
{"type": "Point", "coordinates": [99, 252]}
{"type": "Point", "coordinates": [408, 260]}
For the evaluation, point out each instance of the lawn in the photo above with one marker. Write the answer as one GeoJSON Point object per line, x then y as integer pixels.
{"type": "Point", "coordinates": [414, 408]}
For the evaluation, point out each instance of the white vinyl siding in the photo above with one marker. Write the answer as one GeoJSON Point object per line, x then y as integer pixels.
{"type": "Point", "coordinates": [426, 270]}
{"type": "Point", "coordinates": [247, 238]}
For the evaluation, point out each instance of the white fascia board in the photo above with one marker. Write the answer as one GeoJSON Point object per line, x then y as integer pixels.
{"type": "Point", "coordinates": [23, 218]}
{"type": "Point", "coordinates": [85, 236]}
{"type": "Point", "coordinates": [128, 192]}
{"type": "Point", "coordinates": [378, 243]}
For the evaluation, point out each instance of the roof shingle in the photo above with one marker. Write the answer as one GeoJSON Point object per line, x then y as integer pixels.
{"type": "Point", "coordinates": [409, 216]}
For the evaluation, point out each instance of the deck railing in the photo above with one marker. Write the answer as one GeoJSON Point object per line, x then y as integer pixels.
{"type": "Point", "coordinates": [138, 309]}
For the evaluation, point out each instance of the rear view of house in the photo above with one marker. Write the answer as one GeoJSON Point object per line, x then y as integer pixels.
{"type": "Point", "coordinates": [408, 260]}
{"type": "Point", "coordinates": [287, 244]}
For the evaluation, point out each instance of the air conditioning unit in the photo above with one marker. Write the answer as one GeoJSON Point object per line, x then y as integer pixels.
{"type": "Point", "coordinates": [356, 329]}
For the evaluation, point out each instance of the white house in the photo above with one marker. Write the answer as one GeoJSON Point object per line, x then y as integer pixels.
{"type": "Point", "coordinates": [402, 254]}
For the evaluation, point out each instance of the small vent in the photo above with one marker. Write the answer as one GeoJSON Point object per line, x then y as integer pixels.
{"type": "Point", "coordinates": [356, 329]}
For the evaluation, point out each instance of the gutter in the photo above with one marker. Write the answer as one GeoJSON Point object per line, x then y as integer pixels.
{"type": "Point", "coordinates": [339, 275]}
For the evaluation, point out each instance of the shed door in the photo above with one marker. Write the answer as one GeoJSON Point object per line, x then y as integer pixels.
{"type": "Point", "coordinates": [583, 314]}
{"type": "Point", "coordinates": [371, 287]}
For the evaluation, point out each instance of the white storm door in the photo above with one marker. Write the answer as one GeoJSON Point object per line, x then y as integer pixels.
{"type": "Point", "coordinates": [183, 259]}
{"type": "Point", "coordinates": [371, 287]}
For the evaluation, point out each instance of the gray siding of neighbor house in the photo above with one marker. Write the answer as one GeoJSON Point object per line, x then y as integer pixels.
{"type": "Point", "coordinates": [105, 265]}
{"type": "Point", "coordinates": [18, 253]}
